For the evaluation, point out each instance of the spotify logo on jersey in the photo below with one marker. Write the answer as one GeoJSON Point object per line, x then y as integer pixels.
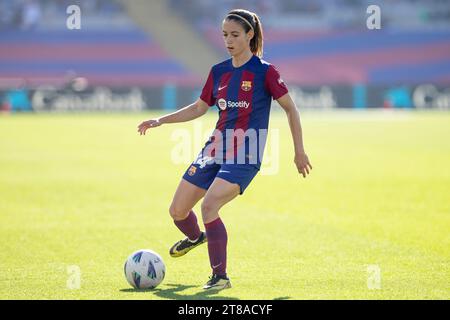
{"type": "Point", "coordinates": [223, 104]}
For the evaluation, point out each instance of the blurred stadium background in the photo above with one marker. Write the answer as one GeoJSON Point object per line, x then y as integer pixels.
{"type": "Point", "coordinates": [134, 55]}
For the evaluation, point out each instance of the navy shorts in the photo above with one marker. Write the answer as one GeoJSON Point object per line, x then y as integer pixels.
{"type": "Point", "coordinates": [203, 175]}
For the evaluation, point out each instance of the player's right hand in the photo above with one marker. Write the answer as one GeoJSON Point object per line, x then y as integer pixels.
{"type": "Point", "coordinates": [152, 123]}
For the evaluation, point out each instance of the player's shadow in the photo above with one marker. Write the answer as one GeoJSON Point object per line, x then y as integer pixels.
{"type": "Point", "coordinates": [282, 298]}
{"type": "Point", "coordinates": [174, 293]}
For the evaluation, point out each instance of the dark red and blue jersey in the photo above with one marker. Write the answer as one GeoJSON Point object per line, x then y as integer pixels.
{"type": "Point", "coordinates": [243, 97]}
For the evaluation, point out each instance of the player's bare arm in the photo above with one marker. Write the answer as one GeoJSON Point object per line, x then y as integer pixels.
{"type": "Point", "coordinates": [301, 159]}
{"type": "Point", "coordinates": [188, 113]}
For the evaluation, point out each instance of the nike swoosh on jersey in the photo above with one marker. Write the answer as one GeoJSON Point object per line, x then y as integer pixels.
{"type": "Point", "coordinates": [220, 88]}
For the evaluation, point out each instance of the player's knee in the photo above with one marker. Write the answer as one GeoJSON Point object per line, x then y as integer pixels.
{"type": "Point", "coordinates": [177, 213]}
{"type": "Point", "coordinates": [208, 207]}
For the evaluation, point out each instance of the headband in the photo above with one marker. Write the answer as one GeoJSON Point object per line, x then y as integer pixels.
{"type": "Point", "coordinates": [246, 21]}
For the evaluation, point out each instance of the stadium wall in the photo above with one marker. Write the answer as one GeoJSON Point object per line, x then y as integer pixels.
{"type": "Point", "coordinates": [171, 97]}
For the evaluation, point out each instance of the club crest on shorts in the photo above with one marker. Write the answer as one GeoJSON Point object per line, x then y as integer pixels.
{"type": "Point", "coordinates": [192, 170]}
{"type": "Point", "coordinates": [246, 85]}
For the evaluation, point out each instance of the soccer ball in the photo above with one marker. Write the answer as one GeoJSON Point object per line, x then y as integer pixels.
{"type": "Point", "coordinates": [144, 269]}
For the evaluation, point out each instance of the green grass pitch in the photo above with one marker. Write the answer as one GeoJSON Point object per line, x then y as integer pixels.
{"type": "Point", "coordinates": [372, 220]}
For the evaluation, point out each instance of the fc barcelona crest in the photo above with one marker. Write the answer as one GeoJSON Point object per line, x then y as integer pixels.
{"type": "Point", "coordinates": [192, 170]}
{"type": "Point", "coordinates": [246, 85]}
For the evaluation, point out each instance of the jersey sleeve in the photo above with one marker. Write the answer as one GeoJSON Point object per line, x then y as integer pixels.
{"type": "Point", "coordinates": [207, 92]}
{"type": "Point", "coordinates": [274, 84]}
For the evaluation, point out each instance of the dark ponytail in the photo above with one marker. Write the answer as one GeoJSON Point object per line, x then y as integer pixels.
{"type": "Point", "coordinates": [257, 43]}
{"type": "Point", "coordinates": [248, 21]}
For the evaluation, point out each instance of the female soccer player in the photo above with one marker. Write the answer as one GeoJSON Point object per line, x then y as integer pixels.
{"type": "Point", "coordinates": [242, 88]}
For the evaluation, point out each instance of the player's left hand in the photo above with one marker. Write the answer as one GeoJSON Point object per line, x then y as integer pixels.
{"type": "Point", "coordinates": [302, 162]}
